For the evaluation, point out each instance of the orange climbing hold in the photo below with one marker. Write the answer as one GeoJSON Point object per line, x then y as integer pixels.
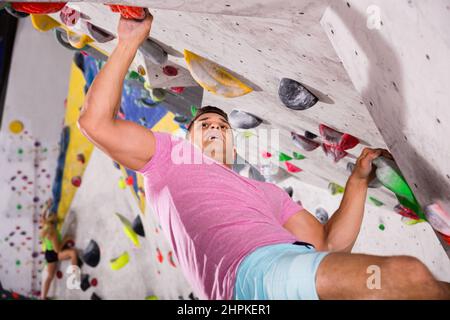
{"type": "Point", "coordinates": [38, 7]}
{"type": "Point", "coordinates": [129, 12]}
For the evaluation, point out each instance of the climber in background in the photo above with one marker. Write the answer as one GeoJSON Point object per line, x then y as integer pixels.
{"type": "Point", "coordinates": [237, 238]}
{"type": "Point", "coordinates": [55, 248]}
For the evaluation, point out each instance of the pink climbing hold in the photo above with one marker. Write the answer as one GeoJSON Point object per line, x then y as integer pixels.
{"type": "Point", "coordinates": [76, 181]}
{"type": "Point", "coordinates": [69, 16]}
{"type": "Point", "coordinates": [292, 168]}
{"type": "Point", "coordinates": [170, 71]}
{"type": "Point", "coordinates": [177, 89]}
{"type": "Point", "coordinates": [266, 155]}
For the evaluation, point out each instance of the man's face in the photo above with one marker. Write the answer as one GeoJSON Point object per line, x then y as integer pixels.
{"type": "Point", "coordinates": [212, 133]}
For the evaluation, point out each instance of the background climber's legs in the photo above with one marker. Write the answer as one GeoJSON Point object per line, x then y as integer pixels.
{"type": "Point", "coordinates": [350, 276]}
{"type": "Point", "coordinates": [68, 254]}
{"type": "Point", "coordinates": [51, 271]}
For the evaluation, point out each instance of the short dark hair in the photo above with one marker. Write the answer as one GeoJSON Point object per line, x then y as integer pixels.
{"type": "Point", "coordinates": [207, 109]}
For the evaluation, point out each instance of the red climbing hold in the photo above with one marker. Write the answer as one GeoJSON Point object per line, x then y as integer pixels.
{"type": "Point", "coordinates": [76, 181]}
{"type": "Point", "coordinates": [335, 143]}
{"type": "Point", "coordinates": [59, 274]}
{"type": "Point", "coordinates": [406, 212]}
{"type": "Point", "coordinates": [37, 7]}
{"type": "Point", "coordinates": [15, 295]}
{"type": "Point", "coordinates": [266, 155]}
{"type": "Point", "coordinates": [332, 151]}
{"type": "Point", "coordinates": [129, 12]}
{"type": "Point", "coordinates": [177, 89]}
{"type": "Point", "coordinates": [94, 282]}
{"type": "Point", "coordinates": [170, 71]}
{"type": "Point", "coordinates": [129, 180]}
{"type": "Point", "coordinates": [292, 168]}
{"type": "Point", "coordinates": [159, 255]}
{"type": "Point", "coordinates": [80, 157]}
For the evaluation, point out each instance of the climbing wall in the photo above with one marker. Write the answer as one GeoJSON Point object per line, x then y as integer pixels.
{"type": "Point", "coordinates": [29, 149]}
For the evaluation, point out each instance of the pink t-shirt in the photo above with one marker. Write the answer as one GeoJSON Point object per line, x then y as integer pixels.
{"type": "Point", "coordinates": [212, 216]}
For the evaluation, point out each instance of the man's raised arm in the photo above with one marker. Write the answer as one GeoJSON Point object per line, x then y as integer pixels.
{"type": "Point", "coordinates": [126, 142]}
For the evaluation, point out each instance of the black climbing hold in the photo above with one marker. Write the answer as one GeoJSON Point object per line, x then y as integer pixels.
{"type": "Point", "coordinates": [98, 34]}
{"type": "Point", "coordinates": [295, 96]}
{"type": "Point", "coordinates": [15, 13]}
{"type": "Point", "coordinates": [138, 227]}
{"type": "Point", "coordinates": [181, 119]}
{"type": "Point", "coordinates": [94, 296]}
{"type": "Point", "coordinates": [85, 282]}
{"type": "Point", "coordinates": [91, 255]}
{"type": "Point", "coordinates": [289, 191]}
{"type": "Point", "coordinates": [303, 142]}
{"type": "Point", "coordinates": [192, 297]}
{"type": "Point", "coordinates": [243, 120]}
{"type": "Point", "coordinates": [310, 135]}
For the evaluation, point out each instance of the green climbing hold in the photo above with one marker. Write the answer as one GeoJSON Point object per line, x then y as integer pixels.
{"type": "Point", "coordinates": [335, 188]}
{"type": "Point", "coordinates": [376, 202]}
{"type": "Point", "coordinates": [247, 134]}
{"type": "Point", "coordinates": [194, 110]}
{"type": "Point", "coordinates": [381, 227]}
{"type": "Point", "coordinates": [18, 263]}
{"type": "Point", "coordinates": [298, 156]}
{"type": "Point", "coordinates": [134, 75]}
{"type": "Point", "coordinates": [390, 176]}
{"type": "Point", "coordinates": [20, 151]}
{"type": "Point", "coordinates": [284, 157]}
{"type": "Point", "coordinates": [19, 206]}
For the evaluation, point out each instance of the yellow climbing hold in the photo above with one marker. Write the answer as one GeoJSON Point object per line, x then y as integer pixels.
{"type": "Point", "coordinates": [43, 22]}
{"type": "Point", "coordinates": [128, 229]}
{"type": "Point", "coordinates": [121, 183]}
{"type": "Point", "coordinates": [119, 262]}
{"type": "Point", "coordinates": [214, 78]}
{"type": "Point", "coordinates": [151, 298]}
{"type": "Point", "coordinates": [16, 126]}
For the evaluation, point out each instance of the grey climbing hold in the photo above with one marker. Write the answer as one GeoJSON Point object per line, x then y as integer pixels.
{"type": "Point", "coordinates": [254, 174]}
{"type": "Point", "coordinates": [303, 142]}
{"type": "Point", "coordinates": [295, 96]}
{"type": "Point", "coordinates": [153, 52]}
{"type": "Point", "coordinates": [243, 120]}
{"type": "Point", "coordinates": [289, 191]}
{"type": "Point", "coordinates": [98, 34]}
{"type": "Point", "coordinates": [322, 215]}
{"type": "Point", "coordinates": [310, 135]}
{"type": "Point", "coordinates": [138, 227]}
{"type": "Point", "coordinates": [91, 255]}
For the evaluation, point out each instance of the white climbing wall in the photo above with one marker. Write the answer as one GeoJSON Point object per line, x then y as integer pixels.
{"type": "Point", "coordinates": [37, 88]}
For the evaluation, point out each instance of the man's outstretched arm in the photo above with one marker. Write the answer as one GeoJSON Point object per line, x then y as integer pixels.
{"type": "Point", "coordinates": [126, 142]}
{"type": "Point", "coordinates": [340, 232]}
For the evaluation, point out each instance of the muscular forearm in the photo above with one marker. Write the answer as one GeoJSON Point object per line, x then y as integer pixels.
{"type": "Point", "coordinates": [343, 227]}
{"type": "Point", "coordinates": [103, 98]}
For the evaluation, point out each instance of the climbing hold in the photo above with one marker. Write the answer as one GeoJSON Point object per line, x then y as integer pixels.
{"type": "Point", "coordinates": [214, 78]}
{"type": "Point", "coordinates": [121, 183]}
{"type": "Point", "coordinates": [438, 218]}
{"type": "Point", "coordinates": [81, 158]}
{"type": "Point", "coordinates": [410, 222]}
{"type": "Point", "coordinates": [94, 282]}
{"type": "Point", "coordinates": [129, 12]}
{"type": "Point", "coordinates": [172, 263]}
{"type": "Point", "coordinates": [292, 168]}
{"type": "Point", "coordinates": [133, 75]}
{"type": "Point", "coordinates": [335, 143]}
{"type": "Point", "coordinates": [322, 215]}
{"type": "Point", "coordinates": [157, 95]}
{"type": "Point", "coordinates": [335, 188]}
{"type": "Point", "coordinates": [177, 89]}
{"type": "Point", "coordinates": [159, 255]}
{"type": "Point", "coordinates": [151, 298]}
{"type": "Point", "coordinates": [129, 180]}
{"type": "Point", "coordinates": [170, 71]}
{"type": "Point", "coordinates": [153, 52]}
{"type": "Point", "coordinates": [254, 174]}
{"type": "Point", "coordinates": [376, 202]}
{"type": "Point", "coordinates": [71, 40]}
{"type": "Point", "coordinates": [303, 142]}
{"type": "Point", "coordinates": [310, 135]}
{"type": "Point", "coordinates": [37, 7]}
{"type": "Point", "coordinates": [283, 157]}
{"type": "Point", "coordinates": [295, 96]}
{"type": "Point", "coordinates": [266, 155]}
{"type": "Point", "coordinates": [84, 285]}
{"type": "Point", "coordinates": [290, 191]}
{"type": "Point", "coordinates": [16, 126]}
{"type": "Point", "coordinates": [248, 134]}
{"type": "Point", "coordinates": [91, 255]}
{"type": "Point", "coordinates": [194, 110]}
{"type": "Point", "coordinates": [298, 156]}
{"type": "Point", "coordinates": [15, 13]}
{"type": "Point", "coordinates": [381, 227]}
{"type": "Point", "coordinates": [390, 176]}
{"type": "Point", "coordinates": [98, 34]}
{"type": "Point", "coordinates": [59, 274]}
{"type": "Point", "coordinates": [243, 120]}
{"type": "Point", "coordinates": [180, 119]}
{"type": "Point", "coordinates": [119, 262]}
{"type": "Point", "coordinates": [69, 16]}
{"type": "Point", "coordinates": [43, 22]}
{"type": "Point", "coordinates": [128, 230]}
{"type": "Point", "coordinates": [141, 70]}
{"type": "Point", "coordinates": [94, 296]}
{"type": "Point", "coordinates": [138, 227]}
{"type": "Point", "coordinates": [76, 181]}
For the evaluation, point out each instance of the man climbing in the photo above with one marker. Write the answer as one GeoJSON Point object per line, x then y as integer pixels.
{"type": "Point", "coordinates": [237, 238]}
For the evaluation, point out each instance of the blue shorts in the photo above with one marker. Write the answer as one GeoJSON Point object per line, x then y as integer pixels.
{"type": "Point", "coordinates": [279, 272]}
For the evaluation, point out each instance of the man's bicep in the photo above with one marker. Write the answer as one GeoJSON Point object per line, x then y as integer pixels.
{"type": "Point", "coordinates": [305, 227]}
{"type": "Point", "coordinates": [125, 142]}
